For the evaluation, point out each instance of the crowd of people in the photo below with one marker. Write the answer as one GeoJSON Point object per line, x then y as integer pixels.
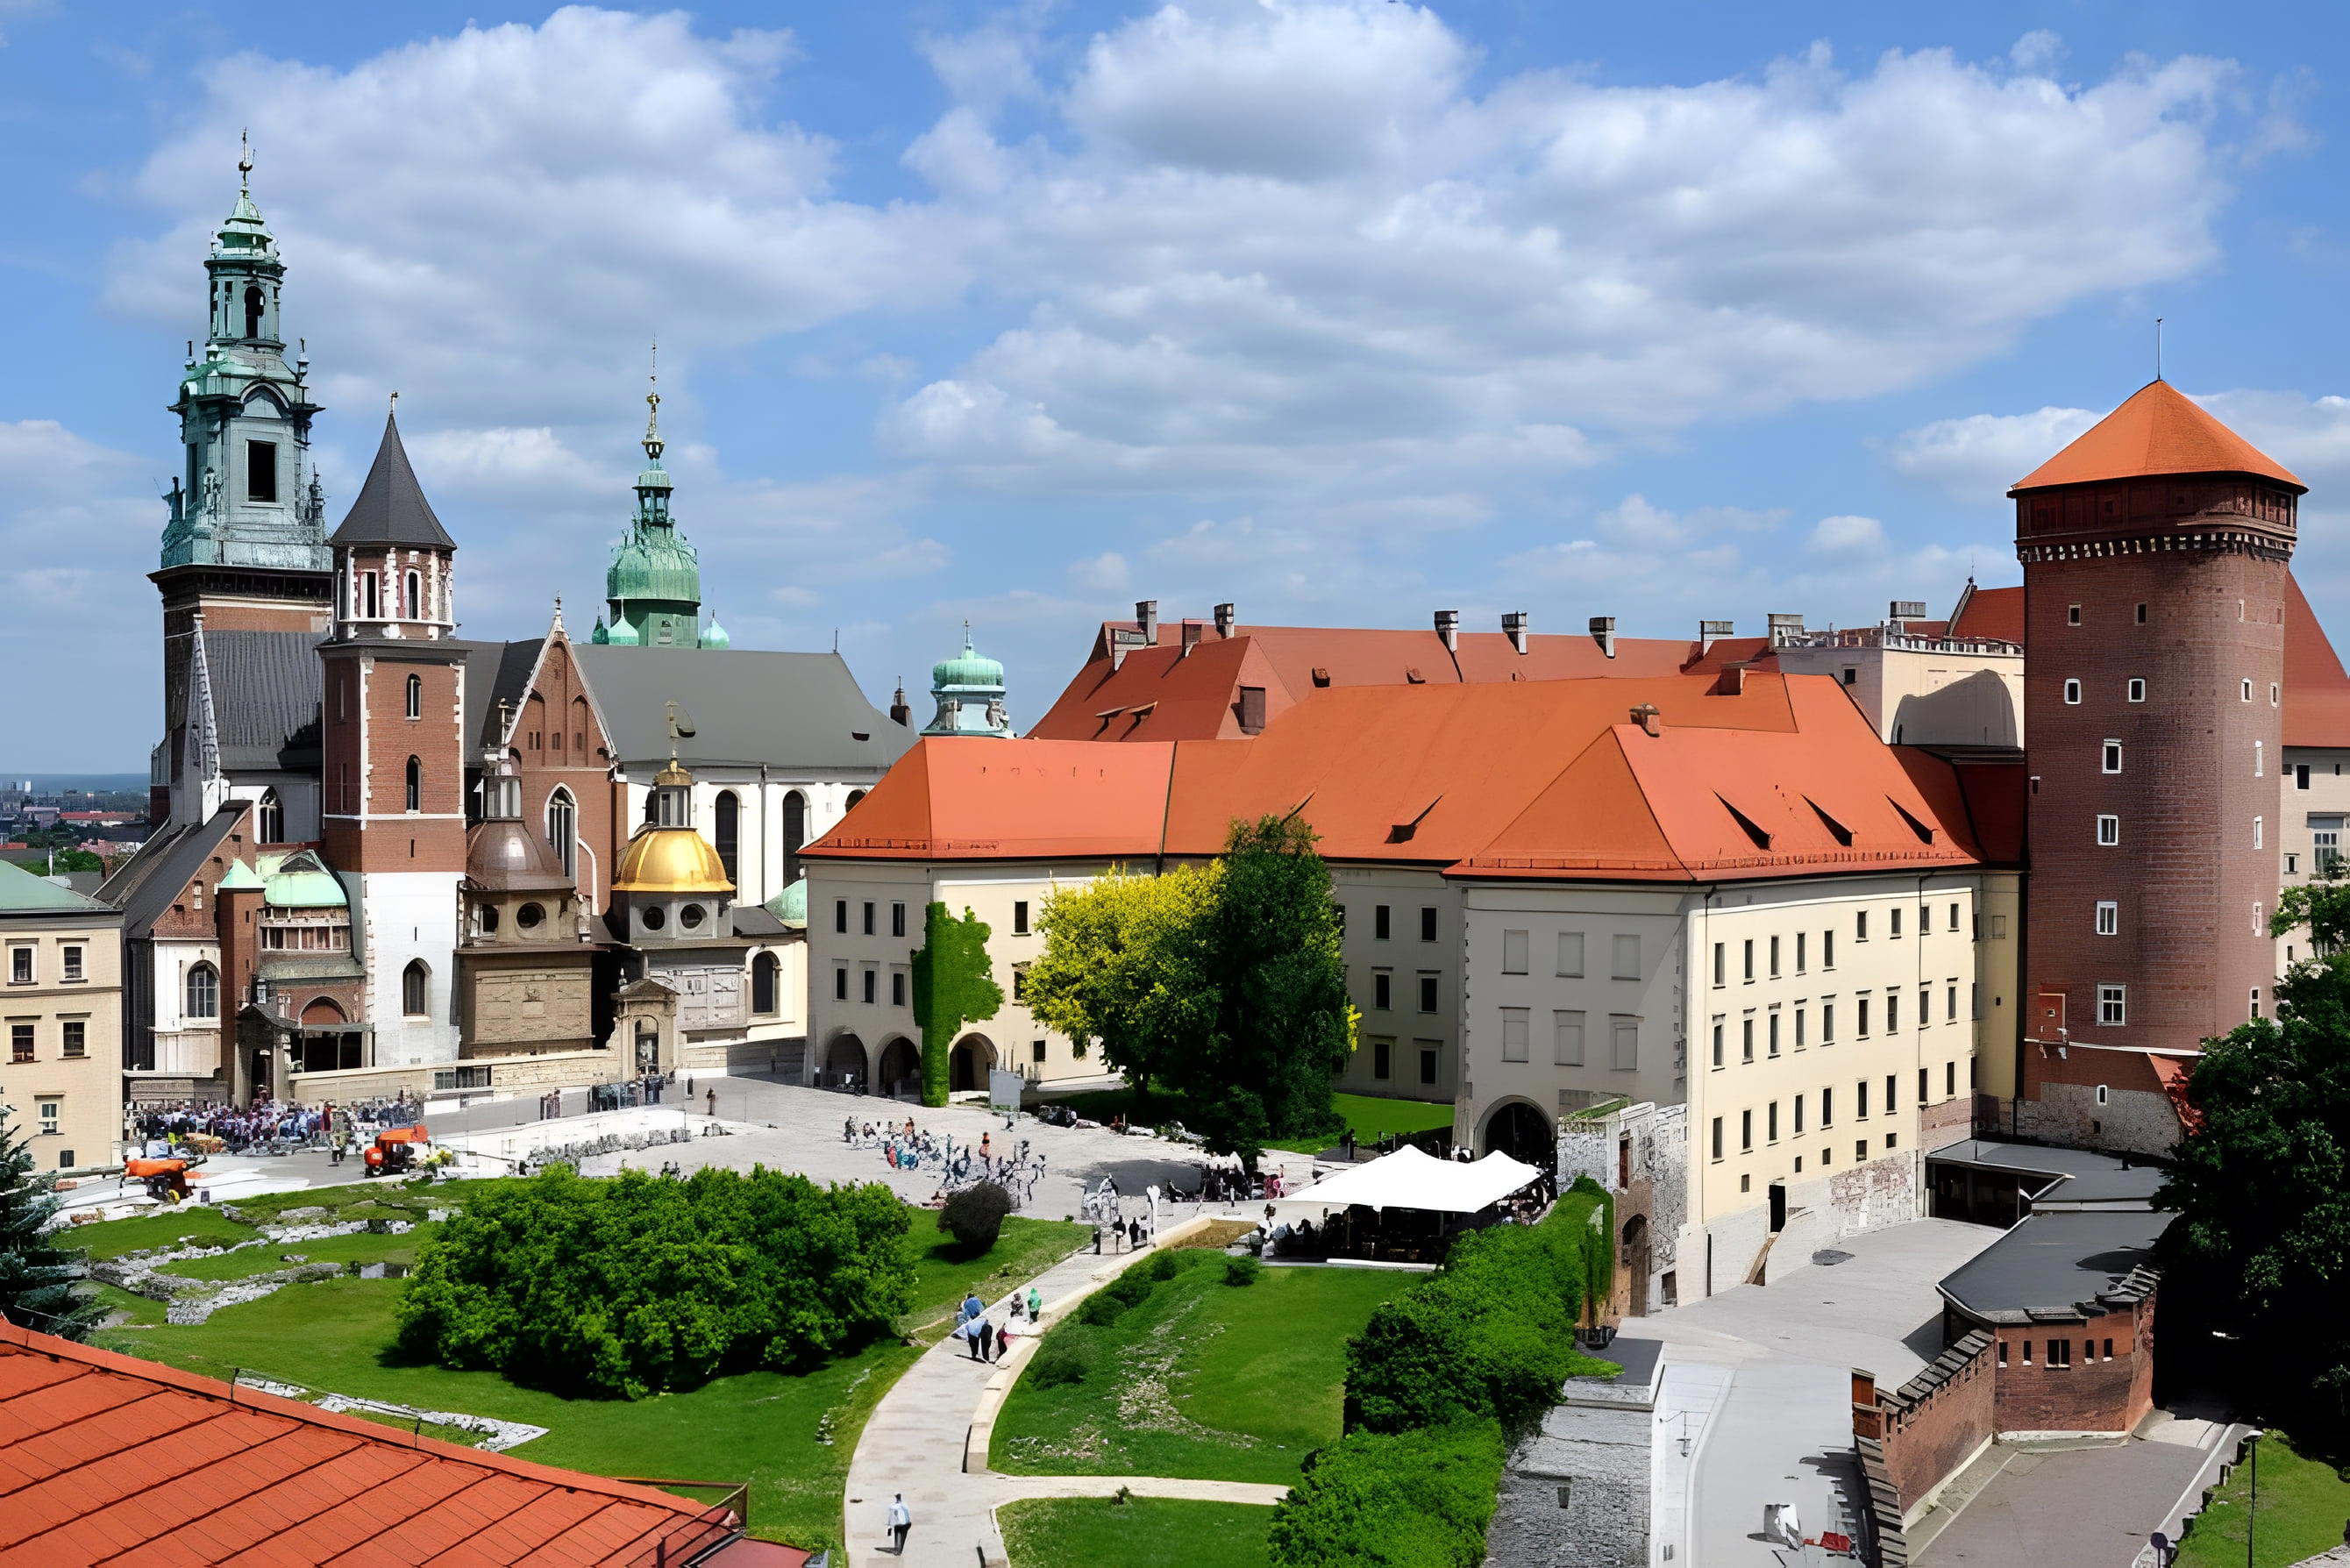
{"type": "Point", "coordinates": [987, 1339]}
{"type": "Point", "coordinates": [266, 1126]}
{"type": "Point", "coordinates": [907, 1146]}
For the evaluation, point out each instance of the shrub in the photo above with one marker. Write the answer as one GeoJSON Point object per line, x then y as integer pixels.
{"type": "Point", "coordinates": [621, 1287]}
{"type": "Point", "coordinates": [1100, 1309]}
{"type": "Point", "coordinates": [1413, 1499]}
{"type": "Point", "coordinates": [1064, 1360]}
{"type": "Point", "coordinates": [974, 1216]}
{"type": "Point", "coordinates": [1155, 1269]}
{"type": "Point", "coordinates": [1242, 1271]}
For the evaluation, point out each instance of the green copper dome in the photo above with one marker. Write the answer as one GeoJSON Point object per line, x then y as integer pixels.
{"type": "Point", "coordinates": [654, 564]}
{"type": "Point", "coordinates": [970, 668]}
{"type": "Point", "coordinates": [790, 905]}
{"type": "Point", "coordinates": [714, 635]}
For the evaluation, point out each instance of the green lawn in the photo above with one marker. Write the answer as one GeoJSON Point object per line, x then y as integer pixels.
{"type": "Point", "coordinates": [1142, 1532]}
{"type": "Point", "coordinates": [1370, 1115]}
{"type": "Point", "coordinates": [1203, 1379]}
{"type": "Point", "coordinates": [2304, 1505]}
{"type": "Point", "coordinates": [766, 1427]}
{"type": "Point", "coordinates": [364, 1247]}
{"type": "Point", "coordinates": [196, 1227]}
{"type": "Point", "coordinates": [942, 1276]}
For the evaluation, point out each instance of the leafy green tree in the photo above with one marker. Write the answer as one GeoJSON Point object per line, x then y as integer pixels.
{"type": "Point", "coordinates": [2262, 1249]}
{"type": "Point", "coordinates": [1122, 965]}
{"type": "Point", "coordinates": [37, 1276]}
{"type": "Point", "coordinates": [952, 987]}
{"type": "Point", "coordinates": [2323, 906]}
{"type": "Point", "coordinates": [974, 1216]}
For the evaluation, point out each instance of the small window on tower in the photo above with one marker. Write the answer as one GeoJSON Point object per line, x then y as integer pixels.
{"type": "Point", "coordinates": [2109, 830]}
{"type": "Point", "coordinates": [2137, 691]}
{"type": "Point", "coordinates": [2141, 615]}
{"type": "Point", "coordinates": [2073, 693]}
{"type": "Point", "coordinates": [261, 471]}
{"type": "Point", "coordinates": [415, 607]}
{"type": "Point", "coordinates": [416, 697]}
{"type": "Point", "coordinates": [2113, 756]}
{"type": "Point", "coordinates": [2072, 615]}
{"type": "Point", "coordinates": [2248, 690]}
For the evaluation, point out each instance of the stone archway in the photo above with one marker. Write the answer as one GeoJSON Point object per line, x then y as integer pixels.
{"type": "Point", "coordinates": [1636, 1263]}
{"type": "Point", "coordinates": [1519, 1129]}
{"type": "Point", "coordinates": [900, 1073]}
{"type": "Point", "coordinates": [322, 1010]}
{"type": "Point", "coordinates": [967, 1068]}
{"type": "Point", "coordinates": [844, 1060]}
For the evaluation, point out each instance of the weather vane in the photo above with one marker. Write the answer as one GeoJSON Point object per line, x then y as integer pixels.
{"type": "Point", "coordinates": [244, 163]}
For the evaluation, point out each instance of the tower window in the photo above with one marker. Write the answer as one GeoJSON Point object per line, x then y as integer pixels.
{"type": "Point", "coordinates": [2113, 756]}
{"type": "Point", "coordinates": [253, 315]}
{"type": "Point", "coordinates": [371, 597]}
{"type": "Point", "coordinates": [2276, 694]}
{"type": "Point", "coordinates": [2248, 690]}
{"type": "Point", "coordinates": [412, 988]}
{"type": "Point", "coordinates": [726, 829]}
{"type": "Point", "coordinates": [2260, 758]}
{"type": "Point", "coordinates": [2138, 690]}
{"type": "Point", "coordinates": [415, 784]}
{"type": "Point", "coordinates": [415, 598]}
{"type": "Point", "coordinates": [261, 471]}
{"type": "Point", "coordinates": [562, 817]}
{"type": "Point", "coordinates": [2113, 1004]}
{"type": "Point", "coordinates": [2109, 917]}
{"type": "Point", "coordinates": [270, 818]}
{"type": "Point", "coordinates": [2072, 615]}
{"type": "Point", "coordinates": [2141, 615]}
{"type": "Point", "coordinates": [2109, 830]}
{"type": "Point", "coordinates": [416, 697]}
{"type": "Point", "coordinates": [2073, 693]}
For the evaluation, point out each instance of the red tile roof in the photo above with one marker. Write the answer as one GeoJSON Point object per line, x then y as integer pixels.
{"type": "Point", "coordinates": [1549, 778]}
{"type": "Point", "coordinates": [2159, 429]}
{"type": "Point", "coordinates": [2316, 690]}
{"type": "Point", "coordinates": [1162, 693]}
{"type": "Point", "coordinates": [105, 1458]}
{"type": "Point", "coordinates": [1995, 613]}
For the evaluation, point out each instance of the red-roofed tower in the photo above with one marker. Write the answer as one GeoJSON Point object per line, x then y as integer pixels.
{"type": "Point", "coordinates": [2155, 550]}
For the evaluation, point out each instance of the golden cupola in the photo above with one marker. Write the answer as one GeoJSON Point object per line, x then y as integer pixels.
{"type": "Point", "coordinates": [666, 857]}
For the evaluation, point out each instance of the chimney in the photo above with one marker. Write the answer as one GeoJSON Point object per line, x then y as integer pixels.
{"type": "Point", "coordinates": [1192, 630]}
{"type": "Point", "coordinates": [1513, 626]}
{"type": "Point", "coordinates": [1146, 614]}
{"type": "Point", "coordinates": [1224, 620]}
{"type": "Point", "coordinates": [1603, 632]}
{"type": "Point", "coordinates": [1710, 632]}
{"type": "Point", "coordinates": [900, 713]}
{"type": "Point", "coordinates": [1731, 682]}
{"type": "Point", "coordinates": [1906, 609]}
{"type": "Point", "coordinates": [1448, 627]}
{"type": "Point", "coordinates": [1785, 628]}
{"type": "Point", "coordinates": [1650, 718]}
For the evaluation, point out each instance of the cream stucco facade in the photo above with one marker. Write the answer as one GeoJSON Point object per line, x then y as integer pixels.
{"type": "Point", "coordinates": [1919, 690]}
{"type": "Point", "coordinates": [61, 1015]}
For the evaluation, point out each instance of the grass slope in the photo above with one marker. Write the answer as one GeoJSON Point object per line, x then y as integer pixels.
{"type": "Point", "coordinates": [1143, 1533]}
{"type": "Point", "coordinates": [2302, 1506]}
{"type": "Point", "coordinates": [1203, 1379]}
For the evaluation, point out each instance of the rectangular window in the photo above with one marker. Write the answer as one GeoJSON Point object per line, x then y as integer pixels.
{"type": "Point", "coordinates": [840, 982]}
{"type": "Point", "coordinates": [897, 920]}
{"type": "Point", "coordinates": [1720, 973]}
{"type": "Point", "coordinates": [1427, 993]}
{"type": "Point", "coordinates": [20, 1042]}
{"type": "Point", "coordinates": [1860, 1149]}
{"type": "Point", "coordinates": [1570, 954]}
{"type": "Point", "coordinates": [1427, 925]}
{"type": "Point", "coordinates": [2109, 917]}
{"type": "Point", "coordinates": [75, 1040]}
{"type": "Point", "coordinates": [1746, 1037]}
{"type": "Point", "coordinates": [1746, 960]}
{"type": "Point", "coordinates": [1827, 1109]}
{"type": "Point", "coordinates": [1382, 1058]}
{"type": "Point", "coordinates": [1860, 926]}
{"type": "Point", "coordinates": [2073, 693]}
{"type": "Point", "coordinates": [20, 966]}
{"type": "Point", "coordinates": [1925, 1084]}
{"type": "Point", "coordinates": [1717, 1138]}
{"type": "Point", "coordinates": [1019, 982]}
{"type": "Point", "coordinates": [2256, 1001]}
{"type": "Point", "coordinates": [1382, 990]}
{"type": "Point", "coordinates": [1773, 1033]}
{"type": "Point", "coordinates": [1861, 1013]}
{"type": "Point", "coordinates": [1513, 1034]}
{"type": "Point", "coordinates": [261, 471]}
{"type": "Point", "coordinates": [1380, 922]}
{"type": "Point", "coordinates": [872, 986]}
{"type": "Point", "coordinates": [1718, 1026]}
{"type": "Point", "coordinates": [2072, 615]}
{"type": "Point", "coordinates": [898, 985]}
{"type": "Point", "coordinates": [1890, 1083]}
{"type": "Point", "coordinates": [1566, 1039]}
{"type": "Point", "coordinates": [2113, 1004]}
{"type": "Point", "coordinates": [1799, 952]}
{"type": "Point", "coordinates": [1035, 1050]}
{"type": "Point", "coordinates": [49, 1109]}
{"type": "Point", "coordinates": [1798, 1123]}
{"type": "Point", "coordinates": [2060, 1355]}
{"type": "Point", "coordinates": [1860, 1102]}
{"type": "Point", "coordinates": [1954, 918]}
{"type": "Point", "coordinates": [868, 917]}
{"type": "Point", "coordinates": [1427, 1064]}
{"type": "Point", "coordinates": [2258, 831]}
{"type": "Point", "coordinates": [1950, 1005]}
{"type": "Point", "coordinates": [71, 957]}
{"type": "Point", "coordinates": [1745, 1131]}
{"type": "Point", "coordinates": [840, 916]}
{"type": "Point", "coordinates": [1774, 958]}
{"type": "Point", "coordinates": [1893, 921]}
{"type": "Point", "coordinates": [1771, 1122]}
{"type": "Point", "coordinates": [1827, 950]}
{"type": "Point", "coordinates": [1252, 710]}
{"type": "Point", "coordinates": [1892, 1012]}
{"type": "Point", "coordinates": [2113, 756]}
{"type": "Point", "coordinates": [1513, 952]}
{"type": "Point", "coordinates": [1627, 1042]}
{"type": "Point", "coordinates": [1625, 956]}
{"type": "Point", "coordinates": [2300, 775]}
{"type": "Point", "coordinates": [1019, 917]}
{"type": "Point", "coordinates": [2137, 691]}
{"type": "Point", "coordinates": [1950, 1079]}
{"type": "Point", "coordinates": [1827, 1023]}
{"type": "Point", "coordinates": [1799, 1028]}
{"type": "Point", "coordinates": [2109, 833]}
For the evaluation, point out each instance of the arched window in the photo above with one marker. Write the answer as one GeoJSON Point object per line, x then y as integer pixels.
{"type": "Point", "coordinates": [269, 818]}
{"type": "Point", "coordinates": [725, 827]}
{"type": "Point", "coordinates": [416, 597]}
{"type": "Point", "coordinates": [415, 700]}
{"type": "Point", "coordinates": [371, 597]}
{"type": "Point", "coordinates": [413, 989]}
{"type": "Point", "coordinates": [795, 833]}
{"type": "Point", "coordinates": [854, 796]}
{"type": "Point", "coordinates": [765, 972]}
{"type": "Point", "coordinates": [562, 828]}
{"type": "Point", "coordinates": [415, 784]}
{"type": "Point", "coordinates": [253, 303]}
{"type": "Point", "coordinates": [579, 727]}
{"type": "Point", "coordinates": [204, 992]}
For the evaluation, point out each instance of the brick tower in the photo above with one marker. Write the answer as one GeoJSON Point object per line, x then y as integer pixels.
{"type": "Point", "coordinates": [394, 753]}
{"type": "Point", "coordinates": [2155, 551]}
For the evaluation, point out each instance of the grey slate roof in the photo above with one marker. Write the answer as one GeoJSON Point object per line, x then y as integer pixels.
{"type": "Point", "coordinates": [496, 671]}
{"type": "Point", "coordinates": [2052, 1265]}
{"type": "Point", "coordinates": [792, 711]}
{"type": "Point", "coordinates": [2079, 1175]}
{"type": "Point", "coordinates": [144, 886]}
{"type": "Point", "coordinates": [265, 692]}
{"type": "Point", "coordinates": [391, 508]}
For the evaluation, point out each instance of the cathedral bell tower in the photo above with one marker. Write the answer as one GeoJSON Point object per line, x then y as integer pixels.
{"type": "Point", "coordinates": [392, 689]}
{"type": "Point", "coordinates": [653, 586]}
{"type": "Point", "coordinates": [244, 537]}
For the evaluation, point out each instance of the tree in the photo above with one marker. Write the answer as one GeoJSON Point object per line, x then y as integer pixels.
{"type": "Point", "coordinates": [2262, 1192]}
{"type": "Point", "coordinates": [1122, 965]}
{"type": "Point", "coordinates": [1282, 1023]}
{"type": "Point", "coordinates": [2322, 905]}
{"type": "Point", "coordinates": [953, 986]}
{"type": "Point", "coordinates": [36, 1277]}
{"type": "Point", "coordinates": [974, 1216]}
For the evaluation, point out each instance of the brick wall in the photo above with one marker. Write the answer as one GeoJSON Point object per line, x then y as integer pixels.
{"type": "Point", "coordinates": [368, 740]}
{"type": "Point", "coordinates": [2095, 1393]}
{"type": "Point", "coordinates": [559, 745]}
{"type": "Point", "coordinates": [1937, 1422]}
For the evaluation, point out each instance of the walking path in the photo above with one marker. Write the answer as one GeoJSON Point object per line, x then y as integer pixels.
{"type": "Point", "coordinates": [927, 1439]}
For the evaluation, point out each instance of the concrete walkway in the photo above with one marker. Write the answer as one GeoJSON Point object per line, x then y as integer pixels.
{"type": "Point", "coordinates": [927, 1441]}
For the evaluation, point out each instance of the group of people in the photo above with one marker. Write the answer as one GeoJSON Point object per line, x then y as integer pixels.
{"type": "Point", "coordinates": [989, 1343]}
{"type": "Point", "coordinates": [1129, 1235]}
{"type": "Point", "coordinates": [910, 1148]}
{"type": "Point", "coordinates": [268, 1126]}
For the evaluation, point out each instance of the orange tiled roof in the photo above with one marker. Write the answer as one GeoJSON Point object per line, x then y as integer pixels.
{"type": "Point", "coordinates": [1548, 778]}
{"type": "Point", "coordinates": [2159, 429]}
{"type": "Point", "coordinates": [105, 1458]}
{"type": "Point", "coordinates": [1996, 613]}
{"type": "Point", "coordinates": [1162, 693]}
{"type": "Point", "coordinates": [2316, 690]}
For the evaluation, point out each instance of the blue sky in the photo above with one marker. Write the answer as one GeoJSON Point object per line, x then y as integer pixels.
{"type": "Point", "coordinates": [1344, 310]}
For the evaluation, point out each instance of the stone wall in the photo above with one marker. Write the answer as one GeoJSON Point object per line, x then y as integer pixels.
{"type": "Point", "coordinates": [1576, 1492]}
{"type": "Point", "coordinates": [2137, 1117]}
{"type": "Point", "coordinates": [508, 1075]}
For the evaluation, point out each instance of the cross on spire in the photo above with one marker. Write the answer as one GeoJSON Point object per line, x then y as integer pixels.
{"type": "Point", "coordinates": [244, 163]}
{"type": "Point", "coordinates": [652, 406]}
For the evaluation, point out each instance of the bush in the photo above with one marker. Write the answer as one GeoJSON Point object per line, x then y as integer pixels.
{"type": "Point", "coordinates": [1155, 1269]}
{"type": "Point", "coordinates": [1413, 1499]}
{"type": "Point", "coordinates": [622, 1287]}
{"type": "Point", "coordinates": [1100, 1309]}
{"type": "Point", "coordinates": [974, 1216]}
{"type": "Point", "coordinates": [1063, 1361]}
{"type": "Point", "coordinates": [1242, 1271]}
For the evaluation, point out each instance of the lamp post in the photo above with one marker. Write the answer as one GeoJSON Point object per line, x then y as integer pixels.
{"type": "Point", "coordinates": [2252, 1515]}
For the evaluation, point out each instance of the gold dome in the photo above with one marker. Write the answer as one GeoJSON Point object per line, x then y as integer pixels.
{"type": "Point", "coordinates": [670, 860]}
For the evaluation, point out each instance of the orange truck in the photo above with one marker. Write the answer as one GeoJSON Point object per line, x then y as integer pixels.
{"type": "Point", "coordinates": [166, 1180]}
{"type": "Point", "coordinates": [396, 1151]}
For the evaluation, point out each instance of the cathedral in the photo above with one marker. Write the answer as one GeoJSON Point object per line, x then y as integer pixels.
{"type": "Point", "coordinates": [391, 858]}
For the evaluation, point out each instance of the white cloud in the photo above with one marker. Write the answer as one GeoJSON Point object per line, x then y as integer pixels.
{"type": "Point", "coordinates": [1977, 457]}
{"type": "Point", "coordinates": [1102, 574]}
{"type": "Point", "coordinates": [1848, 535]}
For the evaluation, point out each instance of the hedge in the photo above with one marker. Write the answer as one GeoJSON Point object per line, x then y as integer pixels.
{"type": "Point", "coordinates": [1409, 1500]}
{"type": "Point", "coordinates": [624, 1287]}
{"type": "Point", "coordinates": [1491, 1338]}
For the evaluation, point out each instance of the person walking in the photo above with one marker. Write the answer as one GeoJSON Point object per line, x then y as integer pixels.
{"type": "Point", "coordinates": [1036, 1306]}
{"type": "Point", "coordinates": [902, 1519]}
{"type": "Point", "coordinates": [987, 1339]}
{"type": "Point", "coordinates": [711, 1097]}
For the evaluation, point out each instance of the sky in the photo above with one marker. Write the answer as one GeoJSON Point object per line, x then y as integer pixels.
{"type": "Point", "coordinates": [1344, 311]}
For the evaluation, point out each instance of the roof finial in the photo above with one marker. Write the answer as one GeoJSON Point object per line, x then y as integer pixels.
{"type": "Point", "coordinates": [391, 410]}
{"type": "Point", "coordinates": [244, 163]}
{"type": "Point", "coordinates": [2158, 348]}
{"type": "Point", "coordinates": [652, 406]}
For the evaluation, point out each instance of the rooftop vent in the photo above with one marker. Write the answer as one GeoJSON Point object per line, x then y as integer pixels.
{"type": "Point", "coordinates": [1906, 609]}
{"type": "Point", "coordinates": [1225, 620]}
{"type": "Point", "coordinates": [1123, 642]}
{"type": "Point", "coordinates": [1785, 628]}
{"type": "Point", "coordinates": [1709, 632]}
{"type": "Point", "coordinates": [1146, 615]}
{"type": "Point", "coordinates": [1650, 717]}
{"type": "Point", "coordinates": [1192, 630]}
{"type": "Point", "coordinates": [1321, 675]}
{"type": "Point", "coordinates": [1448, 627]}
{"type": "Point", "coordinates": [1513, 626]}
{"type": "Point", "coordinates": [1603, 632]}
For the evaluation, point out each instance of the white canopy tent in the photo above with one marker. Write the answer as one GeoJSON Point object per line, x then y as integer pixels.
{"type": "Point", "coordinates": [1410, 1179]}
